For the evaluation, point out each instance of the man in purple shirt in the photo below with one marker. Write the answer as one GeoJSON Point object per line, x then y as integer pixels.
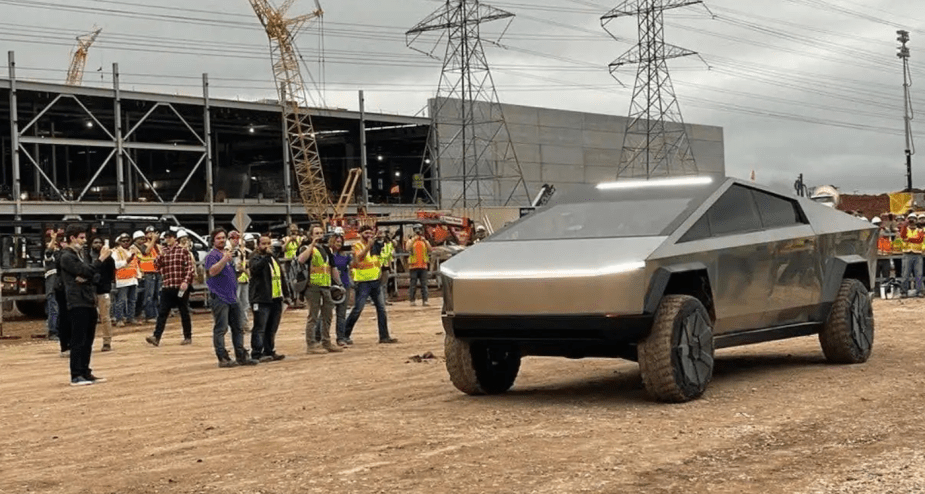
{"type": "Point", "coordinates": [223, 285]}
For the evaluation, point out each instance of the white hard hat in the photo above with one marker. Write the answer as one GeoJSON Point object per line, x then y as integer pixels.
{"type": "Point", "coordinates": [250, 237]}
{"type": "Point", "coordinates": [480, 228]}
{"type": "Point", "coordinates": [138, 234]}
{"type": "Point", "coordinates": [338, 230]}
{"type": "Point", "coordinates": [876, 220]}
{"type": "Point", "coordinates": [182, 233]}
{"type": "Point", "coordinates": [911, 215]}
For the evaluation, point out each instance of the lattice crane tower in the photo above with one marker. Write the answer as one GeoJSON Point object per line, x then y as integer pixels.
{"type": "Point", "coordinates": [293, 96]}
{"type": "Point", "coordinates": [474, 157]}
{"type": "Point", "coordinates": [655, 143]}
{"type": "Point", "coordinates": [75, 72]}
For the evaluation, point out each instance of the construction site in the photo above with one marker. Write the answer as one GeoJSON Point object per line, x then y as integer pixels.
{"type": "Point", "coordinates": [599, 257]}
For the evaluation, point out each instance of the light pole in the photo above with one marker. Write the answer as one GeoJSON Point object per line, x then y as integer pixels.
{"type": "Point", "coordinates": [903, 53]}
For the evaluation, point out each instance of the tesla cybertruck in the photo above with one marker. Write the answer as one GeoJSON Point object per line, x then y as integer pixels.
{"type": "Point", "coordinates": [661, 272]}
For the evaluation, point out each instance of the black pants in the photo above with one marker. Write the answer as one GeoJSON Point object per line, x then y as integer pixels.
{"type": "Point", "coordinates": [883, 269]}
{"type": "Point", "coordinates": [266, 323]}
{"type": "Point", "coordinates": [83, 330]}
{"type": "Point", "coordinates": [64, 321]}
{"type": "Point", "coordinates": [169, 300]}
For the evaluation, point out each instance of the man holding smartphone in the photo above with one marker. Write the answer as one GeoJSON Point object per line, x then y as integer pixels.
{"type": "Point", "coordinates": [176, 267]}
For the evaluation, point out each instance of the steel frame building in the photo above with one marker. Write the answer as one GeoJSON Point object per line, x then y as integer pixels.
{"type": "Point", "coordinates": [91, 152]}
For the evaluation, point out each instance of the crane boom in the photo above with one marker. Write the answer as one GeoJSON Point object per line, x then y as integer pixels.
{"type": "Point", "coordinates": [293, 96]}
{"type": "Point", "coordinates": [75, 73]}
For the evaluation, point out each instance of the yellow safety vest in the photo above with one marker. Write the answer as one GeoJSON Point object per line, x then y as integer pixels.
{"type": "Point", "coordinates": [291, 248]}
{"type": "Point", "coordinates": [321, 270]}
{"type": "Point", "coordinates": [368, 269]}
{"type": "Point", "coordinates": [910, 247]}
{"type": "Point", "coordinates": [898, 244]}
{"type": "Point", "coordinates": [276, 279]}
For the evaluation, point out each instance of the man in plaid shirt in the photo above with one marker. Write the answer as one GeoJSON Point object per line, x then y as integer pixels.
{"type": "Point", "coordinates": [176, 267]}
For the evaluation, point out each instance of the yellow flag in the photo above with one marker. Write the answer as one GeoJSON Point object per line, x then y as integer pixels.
{"type": "Point", "coordinates": [900, 202]}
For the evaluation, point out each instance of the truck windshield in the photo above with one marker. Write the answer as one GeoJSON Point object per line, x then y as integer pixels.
{"type": "Point", "coordinates": [599, 219]}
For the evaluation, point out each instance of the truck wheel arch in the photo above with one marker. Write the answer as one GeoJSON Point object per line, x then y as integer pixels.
{"type": "Point", "coordinates": [685, 279]}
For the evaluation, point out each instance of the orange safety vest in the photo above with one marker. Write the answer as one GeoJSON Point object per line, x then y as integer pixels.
{"type": "Point", "coordinates": [146, 263]}
{"type": "Point", "coordinates": [129, 271]}
{"type": "Point", "coordinates": [884, 245]}
{"type": "Point", "coordinates": [419, 258]}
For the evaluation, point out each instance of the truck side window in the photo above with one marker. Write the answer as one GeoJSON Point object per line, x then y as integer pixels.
{"type": "Point", "coordinates": [777, 212]}
{"type": "Point", "coordinates": [734, 212]}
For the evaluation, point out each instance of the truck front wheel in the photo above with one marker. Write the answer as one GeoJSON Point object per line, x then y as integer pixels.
{"type": "Point", "coordinates": [479, 368]}
{"type": "Point", "coordinates": [676, 359]}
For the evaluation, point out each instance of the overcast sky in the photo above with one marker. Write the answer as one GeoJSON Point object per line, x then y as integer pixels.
{"type": "Point", "coordinates": [799, 86]}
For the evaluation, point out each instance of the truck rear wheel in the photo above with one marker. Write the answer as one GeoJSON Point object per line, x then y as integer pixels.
{"type": "Point", "coordinates": [848, 334]}
{"type": "Point", "coordinates": [479, 368]}
{"type": "Point", "coordinates": [676, 359]}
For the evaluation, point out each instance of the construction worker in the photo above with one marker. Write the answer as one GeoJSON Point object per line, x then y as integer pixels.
{"type": "Point", "coordinates": [366, 274]}
{"type": "Point", "coordinates": [239, 256]}
{"type": "Point", "coordinates": [269, 290]}
{"type": "Point", "coordinates": [147, 252]}
{"type": "Point", "coordinates": [884, 252]}
{"type": "Point", "coordinates": [320, 303]}
{"type": "Point", "coordinates": [418, 264]}
{"type": "Point", "coordinates": [126, 281]}
{"type": "Point", "coordinates": [898, 244]}
{"type": "Point", "coordinates": [385, 257]}
{"type": "Point", "coordinates": [912, 234]}
{"type": "Point", "coordinates": [292, 242]}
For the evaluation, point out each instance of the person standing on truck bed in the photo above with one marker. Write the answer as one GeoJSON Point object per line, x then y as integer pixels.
{"type": "Point", "coordinates": [107, 272]}
{"type": "Point", "coordinates": [176, 268]}
{"type": "Point", "coordinates": [148, 252]}
{"type": "Point", "coordinates": [126, 281]}
{"type": "Point", "coordinates": [50, 263]}
{"type": "Point", "coordinates": [79, 276]}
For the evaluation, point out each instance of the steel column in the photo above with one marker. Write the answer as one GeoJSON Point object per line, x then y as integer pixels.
{"type": "Point", "coordinates": [364, 177]}
{"type": "Point", "coordinates": [14, 143]}
{"type": "Point", "coordinates": [287, 174]}
{"type": "Point", "coordinates": [120, 164]}
{"type": "Point", "coordinates": [207, 122]}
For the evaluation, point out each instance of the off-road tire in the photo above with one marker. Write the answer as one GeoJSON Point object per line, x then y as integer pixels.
{"type": "Point", "coordinates": [848, 334]}
{"type": "Point", "coordinates": [480, 369]}
{"type": "Point", "coordinates": [676, 358]}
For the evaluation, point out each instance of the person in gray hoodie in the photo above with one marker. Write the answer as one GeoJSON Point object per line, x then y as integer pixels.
{"type": "Point", "coordinates": [80, 275]}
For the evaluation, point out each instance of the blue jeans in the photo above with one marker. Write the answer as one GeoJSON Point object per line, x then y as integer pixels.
{"type": "Point", "coordinates": [124, 307]}
{"type": "Point", "coordinates": [912, 272]}
{"type": "Point", "coordinates": [365, 289]}
{"type": "Point", "coordinates": [51, 305]}
{"type": "Point", "coordinates": [266, 323]}
{"type": "Point", "coordinates": [226, 315]}
{"type": "Point", "coordinates": [152, 283]}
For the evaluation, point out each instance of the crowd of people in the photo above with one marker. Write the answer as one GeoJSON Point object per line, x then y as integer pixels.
{"type": "Point", "coordinates": [100, 286]}
{"type": "Point", "coordinates": [900, 248]}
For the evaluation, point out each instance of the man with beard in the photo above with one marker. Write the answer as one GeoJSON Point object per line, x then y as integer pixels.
{"type": "Point", "coordinates": [267, 290]}
{"type": "Point", "coordinates": [320, 303]}
{"type": "Point", "coordinates": [223, 285]}
{"type": "Point", "coordinates": [366, 278]}
{"type": "Point", "coordinates": [78, 276]}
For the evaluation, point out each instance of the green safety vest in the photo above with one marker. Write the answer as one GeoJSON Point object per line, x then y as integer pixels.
{"type": "Point", "coordinates": [388, 251]}
{"type": "Point", "coordinates": [321, 270]}
{"type": "Point", "coordinates": [276, 279]}
{"type": "Point", "coordinates": [291, 248]}
{"type": "Point", "coordinates": [367, 269]}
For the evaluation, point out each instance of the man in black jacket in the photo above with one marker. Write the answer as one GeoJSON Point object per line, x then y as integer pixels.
{"type": "Point", "coordinates": [268, 287]}
{"type": "Point", "coordinates": [79, 277]}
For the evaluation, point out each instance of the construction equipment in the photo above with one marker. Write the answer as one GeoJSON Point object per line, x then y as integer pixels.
{"type": "Point", "coordinates": [293, 97]}
{"type": "Point", "coordinates": [75, 73]}
{"type": "Point", "coordinates": [349, 187]}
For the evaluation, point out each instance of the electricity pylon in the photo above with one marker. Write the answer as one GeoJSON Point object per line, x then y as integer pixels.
{"type": "Point", "coordinates": [474, 162]}
{"type": "Point", "coordinates": [655, 143]}
{"type": "Point", "coordinates": [75, 72]}
{"type": "Point", "coordinates": [293, 96]}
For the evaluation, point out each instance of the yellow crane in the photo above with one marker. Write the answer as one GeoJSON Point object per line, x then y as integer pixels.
{"type": "Point", "coordinates": [293, 96]}
{"type": "Point", "coordinates": [75, 73]}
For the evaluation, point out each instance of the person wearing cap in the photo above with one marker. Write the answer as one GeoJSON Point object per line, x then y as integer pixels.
{"type": "Point", "coordinates": [365, 276]}
{"type": "Point", "coordinates": [126, 281]}
{"type": "Point", "coordinates": [148, 251]}
{"type": "Point", "coordinates": [418, 264]}
{"type": "Point", "coordinates": [912, 233]}
{"type": "Point", "coordinates": [320, 303]}
{"type": "Point", "coordinates": [268, 289]}
{"type": "Point", "coordinates": [176, 268]}
{"type": "Point", "coordinates": [239, 255]}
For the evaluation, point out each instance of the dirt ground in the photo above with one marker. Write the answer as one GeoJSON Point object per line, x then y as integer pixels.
{"type": "Point", "coordinates": [775, 419]}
